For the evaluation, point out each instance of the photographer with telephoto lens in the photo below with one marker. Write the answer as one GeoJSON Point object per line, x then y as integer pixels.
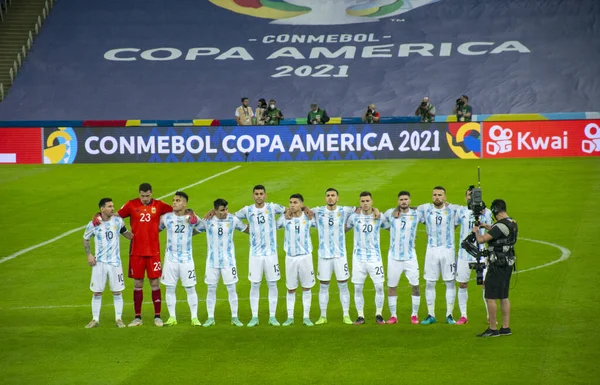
{"type": "Point", "coordinates": [426, 111]}
{"type": "Point", "coordinates": [273, 115]}
{"type": "Point", "coordinates": [371, 115]}
{"type": "Point", "coordinates": [462, 109]}
{"type": "Point", "coordinates": [260, 112]}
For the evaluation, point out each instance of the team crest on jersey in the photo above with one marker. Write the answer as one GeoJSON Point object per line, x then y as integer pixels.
{"type": "Point", "coordinates": [339, 215]}
{"type": "Point", "coordinates": [227, 224]}
{"type": "Point", "coordinates": [153, 210]}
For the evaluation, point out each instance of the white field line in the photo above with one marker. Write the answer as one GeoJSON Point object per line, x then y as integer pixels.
{"type": "Point", "coordinates": [21, 252]}
{"type": "Point", "coordinates": [565, 254]}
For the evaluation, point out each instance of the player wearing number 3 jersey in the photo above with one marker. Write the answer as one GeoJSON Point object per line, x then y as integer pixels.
{"type": "Point", "coordinates": [179, 262]}
{"type": "Point", "coordinates": [220, 260]}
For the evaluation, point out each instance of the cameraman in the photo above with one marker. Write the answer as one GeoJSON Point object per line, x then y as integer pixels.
{"type": "Point", "coordinates": [273, 115]}
{"type": "Point", "coordinates": [371, 115]}
{"type": "Point", "coordinates": [462, 109]}
{"type": "Point", "coordinates": [316, 115]}
{"type": "Point", "coordinates": [501, 239]}
{"type": "Point", "coordinates": [426, 111]}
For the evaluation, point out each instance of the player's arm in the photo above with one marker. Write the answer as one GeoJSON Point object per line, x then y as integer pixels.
{"type": "Point", "coordinates": [126, 233]}
{"type": "Point", "coordinates": [125, 211]}
{"type": "Point", "coordinates": [308, 212]}
{"type": "Point", "coordinates": [376, 213]}
{"type": "Point", "coordinates": [89, 232]}
{"type": "Point", "coordinates": [161, 224]}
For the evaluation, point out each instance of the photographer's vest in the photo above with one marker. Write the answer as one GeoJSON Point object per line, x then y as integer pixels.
{"type": "Point", "coordinates": [463, 117]}
{"type": "Point", "coordinates": [245, 115]}
{"type": "Point", "coordinates": [502, 250]}
{"type": "Point", "coordinates": [274, 116]}
{"type": "Point", "coordinates": [312, 115]}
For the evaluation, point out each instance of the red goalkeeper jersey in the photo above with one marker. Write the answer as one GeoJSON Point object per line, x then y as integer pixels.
{"type": "Point", "coordinates": [144, 220]}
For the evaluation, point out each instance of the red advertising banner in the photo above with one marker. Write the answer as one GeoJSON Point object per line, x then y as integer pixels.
{"type": "Point", "coordinates": [541, 139]}
{"type": "Point", "coordinates": [21, 145]}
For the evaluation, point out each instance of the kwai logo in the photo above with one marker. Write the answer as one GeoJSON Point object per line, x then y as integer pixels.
{"type": "Point", "coordinates": [500, 140]}
{"type": "Point", "coordinates": [321, 12]}
{"type": "Point", "coordinates": [592, 143]}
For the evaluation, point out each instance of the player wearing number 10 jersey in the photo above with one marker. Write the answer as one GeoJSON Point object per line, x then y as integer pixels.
{"type": "Point", "coordinates": [144, 252]}
{"type": "Point", "coordinates": [220, 261]}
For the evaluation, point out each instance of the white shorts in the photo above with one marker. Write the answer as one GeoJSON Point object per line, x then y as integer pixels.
{"type": "Point", "coordinates": [338, 265]}
{"type": "Point", "coordinates": [463, 273]}
{"type": "Point", "coordinates": [439, 260]}
{"type": "Point", "coordinates": [395, 269]}
{"type": "Point", "coordinates": [361, 269]}
{"type": "Point", "coordinates": [212, 274]}
{"type": "Point", "coordinates": [300, 267]}
{"type": "Point", "coordinates": [101, 272]}
{"type": "Point", "coordinates": [173, 271]}
{"type": "Point", "coordinates": [269, 265]}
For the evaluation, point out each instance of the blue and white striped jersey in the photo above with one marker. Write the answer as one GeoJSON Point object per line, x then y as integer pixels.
{"type": "Point", "coordinates": [366, 236]}
{"type": "Point", "coordinates": [467, 221]}
{"type": "Point", "coordinates": [179, 237]}
{"type": "Point", "coordinates": [297, 235]}
{"type": "Point", "coordinates": [403, 234]}
{"type": "Point", "coordinates": [440, 224]}
{"type": "Point", "coordinates": [219, 236]}
{"type": "Point", "coordinates": [331, 225]}
{"type": "Point", "coordinates": [106, 240]}
{"type": "Point", "coordinates": [263, 228]}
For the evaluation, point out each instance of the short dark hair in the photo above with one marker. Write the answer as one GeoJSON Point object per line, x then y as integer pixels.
{"type": "Point", "coordinates": [466, 97]}
{"type": "Point", "coordinates": [272, 101]}
{"type": "Point", "coordinates": [145, 187]}
{"type": "Point", "coordinates": [332, 189]}
{"type": "Point", "coordinates": [297, 196]}
{"type": "Point", "coordinates": [403, 192]}
{"type": "Point", "coordinates": [498, 206]}
{"type": "Point", "coordinates": [259, 187]}
{"type": "Point", "coordinates": [182, 194]}
{"type": "Point", "coordinates": [103, 202]}
{"type": "Point", "coordinates": [366, 194]}
{"type": "Point", "coordinates": [244, 98]}
{"type": "Point", "coordinates": [220, 202]}
{"type": "Point", "coordinates": [439, 188]}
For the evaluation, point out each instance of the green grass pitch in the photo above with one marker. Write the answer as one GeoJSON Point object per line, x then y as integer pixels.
{"type": "Point", "coordinates": [45, 297]}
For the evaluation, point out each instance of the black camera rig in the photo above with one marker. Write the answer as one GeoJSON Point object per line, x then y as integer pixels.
{"type": "Point", "coordinates": [477, 206]}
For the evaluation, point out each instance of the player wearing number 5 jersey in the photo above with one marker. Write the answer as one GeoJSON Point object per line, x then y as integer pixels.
{"type": "Point", "coordinates": [220, 261]}
{"type": "Point", "coordinates": [366, 256]}
{"type": "Point", "coordinates": [263, 250]}
{"type": "Point", "coordinates": [144, 254]}
{"type": "Point", "coordinates": [440, 220]}
{"type": "Point", "coordinates": [179, 262]}
{"type": "Point", "coordinates": [106, 263]}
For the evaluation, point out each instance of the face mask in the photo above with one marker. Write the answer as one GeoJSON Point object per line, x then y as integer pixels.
{"type": "Point", "coordinates": [272, 106]}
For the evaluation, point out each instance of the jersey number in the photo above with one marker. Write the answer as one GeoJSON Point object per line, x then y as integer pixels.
{"type": "Point", "coordinates": [260, 219]}
{"type": "Point", "coordinates": [378, 270]}
{"type": "Point", "coordinates": [276, 268]}
{"type": "Point", "coordinates": [330, 222]}
{"type": "Point", "coordinates": [367, 228]}
{"type": "Point", "coordinates": [192, 274]}
{"type": "Point", "coordinates": [233, 272]}
{"type": "Point", "coordinates": [220, 232]}
{"type": "Point", "coordinates": [346, 268]}
{"type": "Point", "coordinates": [438, 220]}
{"type": "Point", "coordinates": [297, 227]}
{"type": "Point", "coordinates": [144, 217]}
{"type": "Point", "coordinates": [402, 224]}
{"type": "Point", "coordinates": [179, 229]}
{"type": "Point", "coordinates": [156, 266]}
{"type": "Point", "coordinates": [109, 235]}
{"type": "Point", "coordinates": [120, 277]}
{"type": "Point", "coordinates": [453, 267]}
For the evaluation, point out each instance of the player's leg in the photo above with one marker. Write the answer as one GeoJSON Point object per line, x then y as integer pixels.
{"type": "Point", "coordinates": [187, 274]}
{"type": "Point", "coordinates": [342, 273]}
{"type": "Point", "coordinates": [463, 274]}
{"type": "Point", "coordinates": [154, 269]}
{"type": "Point", "coordinates": [431, 275]}
{"type": "Point", "coordinates": [97, 284]}
{"type": "Point", "coordinates": [324, 271]}
{"type": "Point", "coordinates": [169, 278]}
{"type": "Point", "coordinates": [291, 283]}
{"type": "Point", "coordinates": [487, 313]}
{"type": "Point", "coordinates": [307, 280]}
{"type": "Point", "coordinates": [117, 285]}
{"type": "Point", "coordinates": [137, 270]}
{"type": "Point", "coordinates": [272, 274]}
{"type": "Point", "coordinates": [448, 260]}
{"type": "Point", "coordinates": [255, 273]}
{"type": "Point", "coordinates": [411, 269]}
{"type": "Point", "coordinates": [211, 279]}
{"type": "Point", "coordinates": [230, 278]}
{"type": "Point", "coordinates": [378, 277]}
{"type": "Point", "coordinates": [359, 275]}
{"type": "Point", "coordinates": [394, 271]}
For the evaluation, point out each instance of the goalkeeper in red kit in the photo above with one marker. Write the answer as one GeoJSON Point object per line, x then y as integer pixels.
{"type": "Point", "coordinates": [144, 253]}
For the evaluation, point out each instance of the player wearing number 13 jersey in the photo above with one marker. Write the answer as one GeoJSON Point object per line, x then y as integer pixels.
{"type": "Point", "coordinates": [179, 262]}
{"type": "Point", "coordinates": [220, 261]}
{"type": "Point", "coordinates": [144, 254]}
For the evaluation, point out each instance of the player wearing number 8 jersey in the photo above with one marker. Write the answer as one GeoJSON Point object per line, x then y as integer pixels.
{"type": "Point", "coordinates": [220, 261]}
{"type": "Point", "coordinates": [179, 262]}
{"type": "Point", "coordinates": [440, 220]}
{"type": "Point", "coordinates": [366, 256]}
{"type": "Point", "coordinates": [263, 250]}
{"type": "Point", "coordinates": [106, 263]}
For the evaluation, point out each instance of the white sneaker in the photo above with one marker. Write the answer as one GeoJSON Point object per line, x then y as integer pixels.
{"type": "Point", "coordinates": [158, 322]}
{"type": "Point", "coordinates": [93, 324]}
{"type": "Point", "coordinates": [120, 323]}
{"type": "Point", "coordinates": [135, 322]}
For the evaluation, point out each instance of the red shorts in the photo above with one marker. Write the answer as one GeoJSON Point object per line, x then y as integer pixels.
{"type": "Point", "coordinates": [139, 265]}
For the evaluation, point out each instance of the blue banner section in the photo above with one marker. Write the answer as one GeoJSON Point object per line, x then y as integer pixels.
{"type": "Point", "coordinates": [66, 145]}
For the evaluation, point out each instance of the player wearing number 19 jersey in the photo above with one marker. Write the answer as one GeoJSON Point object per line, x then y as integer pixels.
{"type": "Point", "coordinates": [262, 223]}
{"type": "Point", "coordinates": [144, 254]}
{"type": "Point", "coordinates": [220, 261]}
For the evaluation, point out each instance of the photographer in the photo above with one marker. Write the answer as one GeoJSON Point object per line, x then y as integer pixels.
{"type": "Point", "coordinates": [462, 109]}
{"type": "Point", "coordinates": [260, 112]}
{"type": "Point", "coordinates": [426, 111]}
{"type": "Point", "coordinates": [371, 115]}
{"type": "Point", "coordinates": [316, 115]}
{"type": "Point", "coordinates": [273, 115]}
{"type": "Point", "coordinates": [501, 238]}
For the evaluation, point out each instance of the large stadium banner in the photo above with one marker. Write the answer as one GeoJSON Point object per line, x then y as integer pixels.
{"type": "Point", "coordinates": [254, 144]}
{"type": "Point", "coordinates": [21, 145]}
{"type": "Point", "coordinates": [541, 139]}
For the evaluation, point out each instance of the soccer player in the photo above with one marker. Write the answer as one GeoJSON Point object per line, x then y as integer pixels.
{"type": "Point", "coordinates": [467, 222]}
{"type": "Point", "coordinates": [179, 262]}
{"type": "Point", "coordinates": [220, 261]}
{"type": "Point", "coordinates": [402, 257]}
{"type": "Point", "coordinates": [144, 254]}
{"type": "Point", "coordinates": [366, 256]}
{"type": "Point", "coordinates": [263, 250]}
{"type": "Point", "coordinates": [331, 221]}
{"type": "Point", "coordinates": [440, 220]}
{"type": "Point", "coordinates": [106, 264]}
{"type": "Point", "coordinates": [298, 261]}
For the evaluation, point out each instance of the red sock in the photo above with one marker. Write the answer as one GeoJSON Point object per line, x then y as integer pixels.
{"type": "Point", "coordinates": [156, 300]}
{"type": "Point", "coordinates": [138, 297]}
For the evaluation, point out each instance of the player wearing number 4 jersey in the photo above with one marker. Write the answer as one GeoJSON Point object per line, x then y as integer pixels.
{"type": "Point", "coordinates": [366, 256]}
{"type": "Point", "coordinates": [106, 263]}
{"type": "Point", "coordinates": [179, 262]}
{"type": "Point", "coordinates": [263, 250]}
{"type": "Point", "coordinates": [220, 261]}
